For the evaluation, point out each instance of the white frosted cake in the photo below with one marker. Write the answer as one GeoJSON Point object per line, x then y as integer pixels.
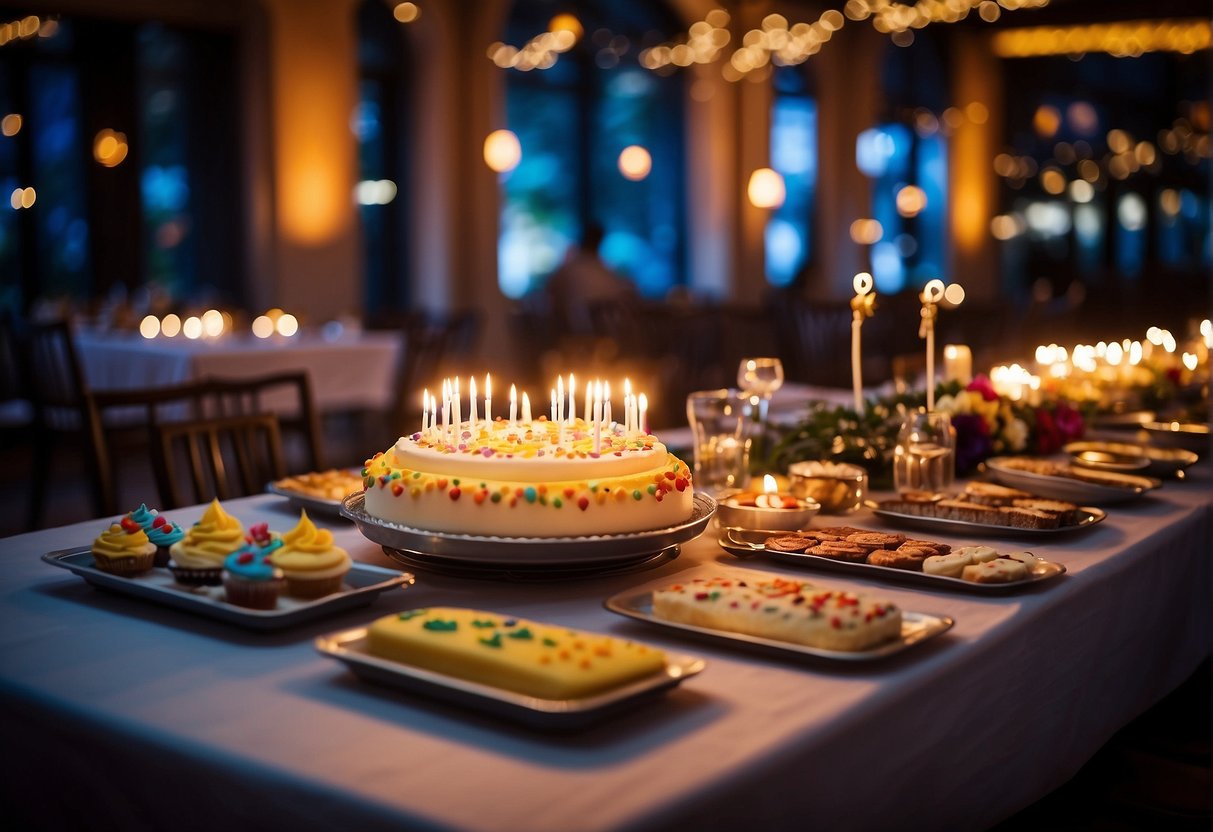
{"type": "Point", "coordinates": [529, 479]}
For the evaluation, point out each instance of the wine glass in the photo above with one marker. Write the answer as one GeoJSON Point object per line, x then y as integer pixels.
{"type": "Point", "coordinates": [760, 377]}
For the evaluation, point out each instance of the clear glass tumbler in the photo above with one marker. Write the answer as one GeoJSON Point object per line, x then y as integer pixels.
{"type": "Point", "coordinates": [720, 423]}
{"type": "Point", "coordinates": [925, 456]}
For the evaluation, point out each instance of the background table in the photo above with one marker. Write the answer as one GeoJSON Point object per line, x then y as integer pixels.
{"type": "Point", "coordinates": [353, 372]}
{"type": "Point", "coordinates": [119, 711]}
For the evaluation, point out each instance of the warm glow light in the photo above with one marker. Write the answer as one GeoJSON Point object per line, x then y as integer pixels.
{"type": "Point", "coordinates": [1190, 360]}
{"type": "Point", "coordinates": [566, 23]}
{"type": "Point", "coordinates": [109, 147]}
{"type": "Point", "coordinates": [1081, 191]}
{"type": "Point", "coordinates": [170, 327]}
{"type": "Point", "coordinates": [1046, 121]}
{"type": "Point", "coordinates": [635, 162]}
{"type": "Point", "coordinates": [212, 323]}
{"type": "Point", "coordinates": [375, 191]}
{"type": "Point", "coordinates": [406, 12]}
{"type": "Point", "coordinates": [1122, 39]}
{"type": "Point", "coordinates": [766, 189]}
{"type": "Point", "coordinates": [954, 294]}
{"type": "Point", "coordinates": [911, 200]}
{"type": "Point", "coordinates": [862, 283]}
{"type": "Point", "coordinates": [149, 327]}
{"type": "Point", "coordinates": [287, 325]}
{"type": "Point", "coordinates": [10, 125]}
{"type": "Point", "coordinates": [866, 232]}
{"type": "Point", "coordinates": [502, 151]}
{"type": "Point", "coordinates": [1006, 227]}
{"type": "Point", "coordinates": [192, 328]}
{"type": "Point", "coordinates": [263, 327]}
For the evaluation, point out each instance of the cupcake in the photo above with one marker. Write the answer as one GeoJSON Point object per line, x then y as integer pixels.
{"type": "Point", "coordinates": [123, 549]}
{"type": "Point", "coordinates": [261, 540]}
{"type": "Point", "coordinates": [251, 580]}
{"type": "Point", "coordinates": [159, 531]}
{"type": "Point", "coordinates": [197, 559]}
{"type": "Point", "coordinates": [313, 566]}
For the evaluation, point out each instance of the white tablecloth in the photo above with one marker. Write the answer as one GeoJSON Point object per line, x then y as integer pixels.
{"type": "Point", "coordinates": [116, 710]}
{"type": "Point", "coordinates": [349, 373]}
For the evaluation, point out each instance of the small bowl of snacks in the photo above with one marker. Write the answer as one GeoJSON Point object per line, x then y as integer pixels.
{"type": "Point", "coordinates": [838, 487]}
{"type": "Point", "coordinates": [768, 509]}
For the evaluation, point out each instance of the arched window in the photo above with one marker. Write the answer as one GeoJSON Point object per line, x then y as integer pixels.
{"type": "Point", "coordinates": [383, 148]}
{"type": "Point", "coordinates": [789, 231]}
{"type": "Point", "coordinates": [574, 119]}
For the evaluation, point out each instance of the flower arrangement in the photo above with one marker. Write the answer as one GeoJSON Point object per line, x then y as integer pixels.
{"type": "Point", "coordinates": [986, 425]}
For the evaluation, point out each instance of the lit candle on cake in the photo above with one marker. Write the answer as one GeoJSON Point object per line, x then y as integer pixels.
{"type": "Point", "coordinates": [767, 510]}
{"type": "Point", "coordinates": [606, 405]}
{"type": "Point", "coordinates": [458, 418]}
{"type": "Point", "coordinates": [513, 406]}
{"type": "Point", "coordinates": [472, 404]}
{"type": "Point", "coordinates": [643, 417]}
{"type": "Point", "coordinates": [526, 408]}
{"type": "Point", "coordinates": [488, 401]}
{"type": "Point", "coordinates": [425, 410]}
{"type": "Point", "coordinates": [589, 395]}
{"type": "Point", "coordinates": [572, 414]}
{"type": "Point", "coordinates": [598, 417]}
{"type": "Point", "coordinates": [559, 398]}
{"type": "Point", "coordinates": [627, 407]}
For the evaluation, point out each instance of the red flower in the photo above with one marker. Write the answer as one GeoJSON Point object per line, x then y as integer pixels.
{"type": "Point", "coordinates": [1069, 422]}
{"type": "Point", "coordinates": [1048, 438]}
{"type": "Point", "coordinates": [982, 384]}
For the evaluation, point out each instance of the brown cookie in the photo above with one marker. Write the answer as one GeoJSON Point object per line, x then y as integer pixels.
{"type": "Point", "coordinates": [839, 531]}
{"type": "Point", "coordinates": [789, 543]}
{"type": "Point", "coordinates": [821, 535]}
{"type": "Point", "coordinates": [876, 540]}
{"type": "Point", "coordinates": [910, 559]}
{"type": "Point", "coordinates": [936, 548]}
{"type": "Point", "coordinates": [839, 550]}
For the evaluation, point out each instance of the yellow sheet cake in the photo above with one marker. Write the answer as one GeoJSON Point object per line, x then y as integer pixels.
{"type": "Point", "coordinates": [501, 651]}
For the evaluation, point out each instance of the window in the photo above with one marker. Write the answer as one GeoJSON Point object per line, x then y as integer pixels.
{"type": "Point", "coordinates": [574, 120]}
{"type": "Point", "coordinates": [788, 236]}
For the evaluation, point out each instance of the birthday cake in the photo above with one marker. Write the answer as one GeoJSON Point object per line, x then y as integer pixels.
{"type": "Point", "coordinates": [529, 479]}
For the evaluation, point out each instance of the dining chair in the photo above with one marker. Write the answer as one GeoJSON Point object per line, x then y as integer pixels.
{"type": "Point", "coordinates": [220, 457]}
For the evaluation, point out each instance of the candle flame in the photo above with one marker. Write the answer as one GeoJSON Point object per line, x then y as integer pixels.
{"type": "Point", "coordinates": [768, 485]}
{"type": "Point", "coordinates": [862, 283]}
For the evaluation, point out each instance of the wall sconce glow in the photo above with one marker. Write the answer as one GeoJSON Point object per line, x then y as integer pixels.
{"type": "Point", "coordinates": [212, 323]}
{"type": "Point", "coordinates": [911, 200]}
{"type": "Point", "coordinates": [375, 191]}
{"type": "Point", "coordinates": [170, 327]}
{"type": "Point", "coordinates": [1081, 190]}
{"type": "Point", "coordinates": [766, 189]}
{"type": "Point", "coordinates": [192, 328]}
{"type": "Point", "coordinates": [566, 23]}
{"type": "Point", "coordinates": [287, 325]}
{"type": "Point", "coordinates": [109, 148]}
{"type": "Point", "coordinates": [502, 151]}
{"type": "Point", "coordinates": [954, 294]}
{"type": "Point", "coordinates": [263, 327]}
{"type": "Point", "coordinates": [149, 327]}
{"type": "Point", "coordinates": [406, 12]}
{"type": "Point", "coordinates": [635, 162]}
{"type": "Point", "coordinates": [866, 232]}
{"type": "Point", "coordinates": [10, 125]}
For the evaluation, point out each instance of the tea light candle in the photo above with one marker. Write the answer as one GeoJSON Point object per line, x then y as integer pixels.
{"type": "Point", "coordinates": [766, 510]}
{"type": "Point", "coordinates": [957, 363]}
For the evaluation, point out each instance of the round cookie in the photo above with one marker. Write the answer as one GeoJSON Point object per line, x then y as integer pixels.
{"type": "Point", "coordinates": [839, 550]}
{"type": "Point", "coordinates": [998, 571]}
{"type": "Point", "coordinates": [1026, 558]}
{"type": "Point", "coordinates": [876, 540]}
{"type": "Point", "coordinates": [789, 543]}
{"type": "Point", "coordinates": [950, 565]}
{"type": "Point", "coordinates": [911, 559]}
{"type": "Point", "coordinates": [979, 554]}
{"type": "Point", "coordinates": [936, 548]}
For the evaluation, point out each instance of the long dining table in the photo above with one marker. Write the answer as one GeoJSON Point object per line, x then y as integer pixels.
{"type": "Point", "coordinates": [121, 713]}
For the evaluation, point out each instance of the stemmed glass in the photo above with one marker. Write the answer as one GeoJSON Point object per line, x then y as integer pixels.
{"type": "Point", "coordinates": [760, 377]}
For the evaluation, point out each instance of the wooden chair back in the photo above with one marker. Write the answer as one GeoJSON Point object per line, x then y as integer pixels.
{"type": "Point", "coordinates": [220, 457]}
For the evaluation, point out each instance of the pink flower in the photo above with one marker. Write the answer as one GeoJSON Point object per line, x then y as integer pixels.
{"type": "Point", "coordinates": [981, 384]}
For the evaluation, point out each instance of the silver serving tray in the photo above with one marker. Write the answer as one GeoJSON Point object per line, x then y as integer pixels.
{"type": "Point", "coordinates": [1163, 461]}
{"type": "Point", "coordinates": [349, 647]}
{"type": "Point", "coordinates": [1088, 516]}
{"type": "Point", "coordinates": [1069, 488]}
{"type": "Point", "coordinates": [532, 551]}
{"type": "Point", "coordinates": [915, 629]}
{"type": "Point", "coordinates": [316, 505]}
{"type": "Point", "coordinates": [736, 544]}
{"type": "Point", "coordinates": [363, 583]}
{"type": "Point", "coordinates": [1191, 436]}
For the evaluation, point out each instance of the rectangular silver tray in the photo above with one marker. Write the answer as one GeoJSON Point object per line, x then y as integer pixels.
{"type": "Point", "coordinates": [1088, 516]}
{"type": "Point", "coordinates": [915, 629]}
{"type": "Point", "coordinates": [318, 506]}
{"type": "Point", "coordinates": [349, 647]}
{"type": "Point", "coordinates": [363, 584]}
{"type": "Point", "coordinates": [1044, 570]}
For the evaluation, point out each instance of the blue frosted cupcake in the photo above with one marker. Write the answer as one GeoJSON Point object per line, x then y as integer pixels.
{"type": "Point", "coordinates": [159, 531]}
{"type": "Point", "coordinates": [251, 580]}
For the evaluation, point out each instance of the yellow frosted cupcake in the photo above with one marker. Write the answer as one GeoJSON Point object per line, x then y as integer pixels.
{"type": "Point", "coordinates": [197, 559]}
{"type": "Point", "coordinates": [123, 549]}
{"type": "Point", "coordinates": [312, 565]}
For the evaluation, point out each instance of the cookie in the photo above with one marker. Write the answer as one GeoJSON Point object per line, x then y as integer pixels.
{"type": "Point", "coordinates": [911, 559]}
{"type": "Point", "coordinates": [936, 548]}
{"type": "Point", "coordinates": [876, 540]}
{"type": "Point", "coordinates": [997, 571]}
{"type": "Point", "coordinates": [949, 565]}
{"type": "Point", "coordinates": [1026, 558]}
{"type": "Point", "coordinates": [839, 551]}
{"type": "Point", "coordinates": [789, 543]}
{"type": "Point", "coordinates": [979, 554]}
{"type": "Point", "coordinates": [840, 531]}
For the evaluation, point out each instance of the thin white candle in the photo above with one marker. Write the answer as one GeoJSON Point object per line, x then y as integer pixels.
{"type": "Point", "coordinates": [472, 404]}
{"type": "Point", "coordinates": [627, 407]}
{"type": "Point", "coordinates": [931, 295]}
{"type": "Point", "coordinates": [572, 414]}
{"type": "Point", "coordinates": [458, 417]}
{"type": "Point", "coordinates": [433, 413]}
{"type": "Point", "coordinates": [606, 405]}
{"type": "Point", "coordinates": [513, 406]}
{"type": "Point", "coordinates": [643, 404]}
{"type": "Point", "coordinates": [861, 306]}
{"type": "Point", "coordinates": [588, 401]}
{"type": "Point", "coordinates": [559, 392]}
{"type": "Point", "coordinates": [555, 408]}
{"type": "Point", "coordinates": [488, 401]}
{"type": "Point", "coordinates": [526, 409]}
{"type": "Point", "coordinates": [598, 417]}
{"type": "Point", "coordinates": [425, 408]}
{"type": "Point", "coordinates": [446, 409]}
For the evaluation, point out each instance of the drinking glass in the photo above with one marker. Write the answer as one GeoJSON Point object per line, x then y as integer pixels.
{"type": "Point", "coordinates": [760, 378]}
{"type": "Point", "coordinates": [720, 424]}
{"type": "Point", "coordinates": [925, 456]}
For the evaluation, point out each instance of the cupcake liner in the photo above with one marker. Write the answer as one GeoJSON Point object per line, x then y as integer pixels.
{"type": "Point", "coordinates": [161, 556]}
{"type": "Point", "coordinates": [195, 576]}
{"type": "Point", "coordinates": [127, 567]}
{"type": "Point", "coordinates": [299, 587]}
{"type": "Point", "coordinates": [257, 595]}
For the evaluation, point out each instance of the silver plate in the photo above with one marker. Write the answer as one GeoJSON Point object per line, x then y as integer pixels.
{"type": "Point", "coordinates": [315, 505]}
{"type": "Point", "coordinates": [1070, 488]}
{"type": "Point", "coordinates": [529, 551]}
{"type": "Point", "coordinates": [915, 629]}
{"type": "Point", "coordinates": [740, 547]}
{"type": "Point", "coordinates": [1163, 461]}
{"type": "Point", "coordinates": [363, 583]}
{"type": "Point", "coordinates": [1088, 516]}
{"type": "Point", "coordinates": [349, 647]}
{"type": "Point", "coordinates": [1191, 436]}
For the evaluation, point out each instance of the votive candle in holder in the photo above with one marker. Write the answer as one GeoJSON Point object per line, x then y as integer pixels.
{"type": "Point", "coordinates": [768, 509]}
